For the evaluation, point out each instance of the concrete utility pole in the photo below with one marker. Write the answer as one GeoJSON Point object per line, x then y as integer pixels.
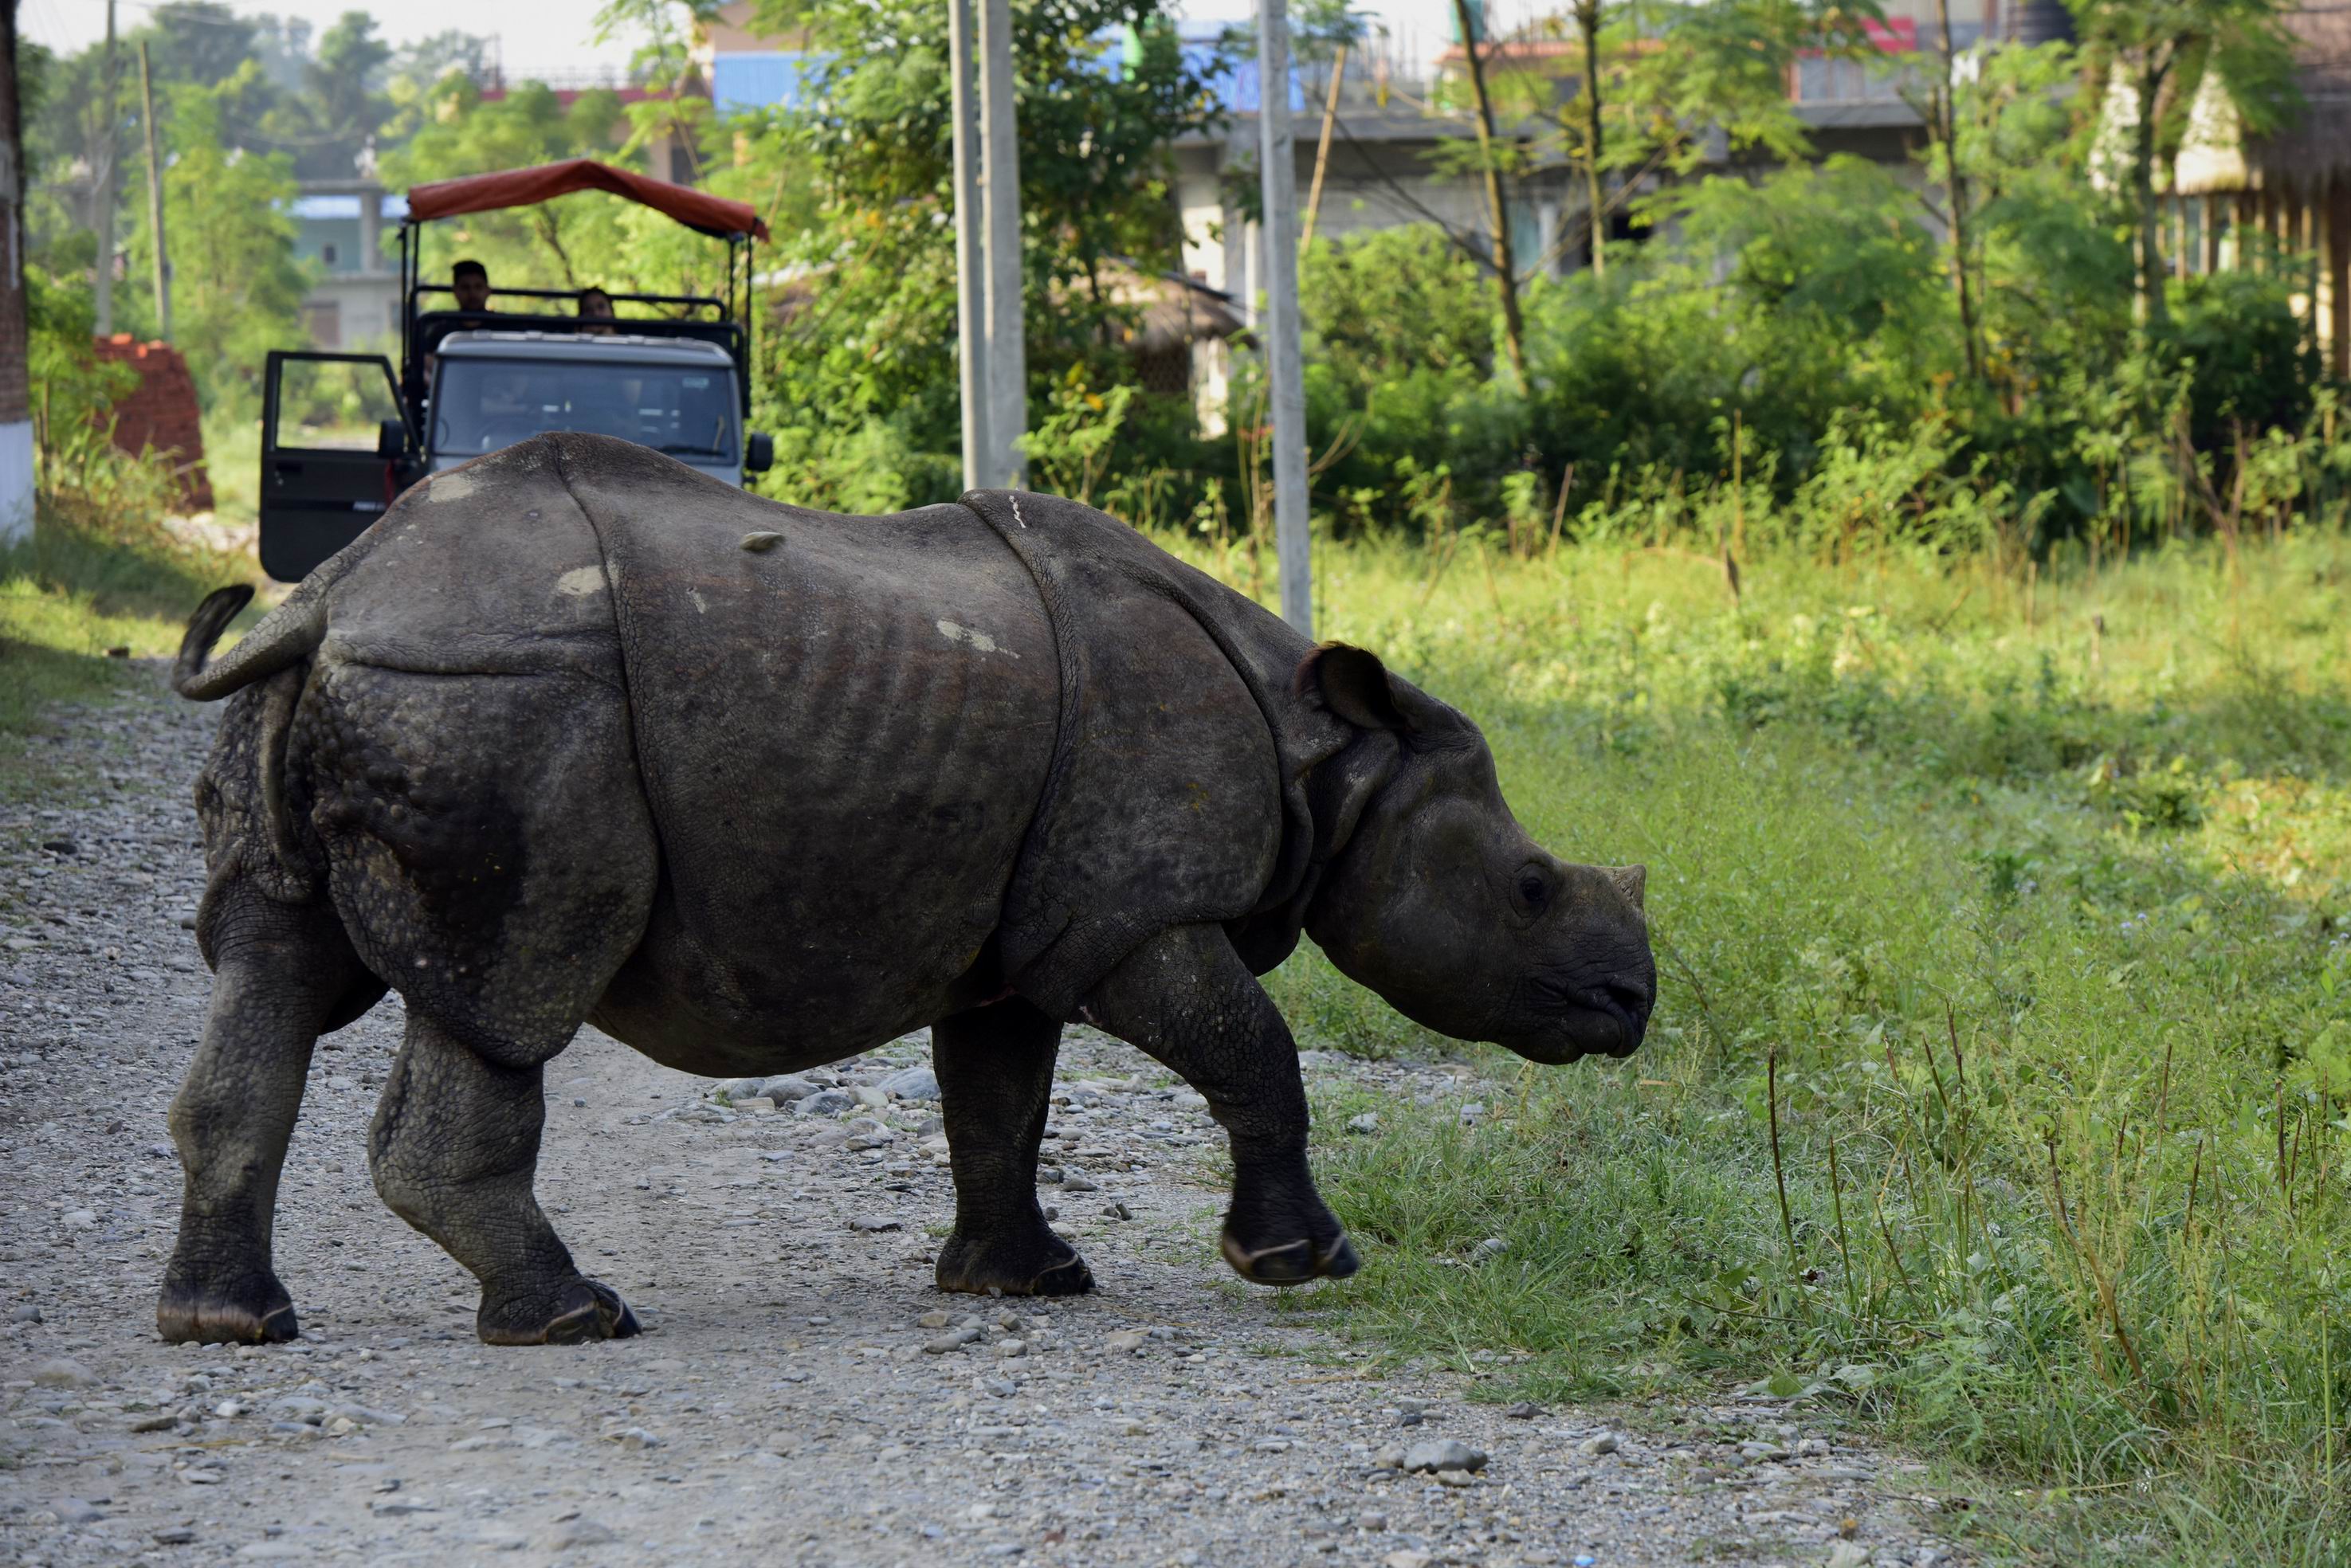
{"type": "Point", "coordinates": [155, 200]}
{"type": "Point", "coordinates": [16, 332]}
{"type": "Point", "coordinates": [971, 251]}
{"type": "Point", "coordinates": [107, 159]}
{"type": "Point", "coordinates": [1285, 368]}
{"type": "Point", "coordinates": [1008, 359]}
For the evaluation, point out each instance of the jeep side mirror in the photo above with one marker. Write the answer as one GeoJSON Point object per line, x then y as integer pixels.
{"type": "Point", "coordinates": [758, 452]}
{"type": "Point", "coordinates": [392, 440]}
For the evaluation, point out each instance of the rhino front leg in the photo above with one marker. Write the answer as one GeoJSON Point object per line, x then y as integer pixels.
{"type": "Point", "coordinates": [1186, 998]}
{"type": "Point", "coordinates": [996, 1075]}
{"type": "Point", "coordinates": [454, 1149]}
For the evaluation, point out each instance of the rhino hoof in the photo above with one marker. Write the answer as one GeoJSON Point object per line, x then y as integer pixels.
{"type": "Point", "coordinates": [253, 1311]}
{"type": "Point", "coordinates": [584, 1310]}
{"type": "Point", "coordinates": [1291, 1262]}
{"type": "Point", "coordinates": [1049, 1267]}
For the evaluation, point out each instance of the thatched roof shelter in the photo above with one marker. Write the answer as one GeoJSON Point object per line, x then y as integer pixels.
{"type": "Point", "coordinates": [2216, 157]}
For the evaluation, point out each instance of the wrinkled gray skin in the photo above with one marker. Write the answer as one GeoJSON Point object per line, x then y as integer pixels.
{"type": "Point", "coordinates": [560, 741]}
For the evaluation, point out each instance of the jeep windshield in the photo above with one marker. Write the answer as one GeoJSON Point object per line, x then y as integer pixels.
{"type": "Point", "coordinates": [483, 404]}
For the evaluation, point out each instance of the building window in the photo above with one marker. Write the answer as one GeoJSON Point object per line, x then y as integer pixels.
{"type": "Point", "coordinates": [325, 319]}
{"type": "Point", "coordinates": [326, 254]}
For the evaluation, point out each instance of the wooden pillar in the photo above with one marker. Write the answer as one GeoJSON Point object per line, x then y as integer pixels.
{"type": "Point", "coordinates": [2273, 225]}
{"type": "Point", "coordinates": [2240, 233]}
{"type": "Point", "coordinates": [2338, 272]}
{"type": "Point", "coordinates": [2179, 236]}
{"type": "Point", "coordinates": [2214, 222]}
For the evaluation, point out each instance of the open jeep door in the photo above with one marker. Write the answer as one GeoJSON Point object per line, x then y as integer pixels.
{"type": "Point", "coordinates": [325, 474]}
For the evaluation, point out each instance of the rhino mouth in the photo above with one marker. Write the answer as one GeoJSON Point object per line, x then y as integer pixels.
{"type": "Point", "coordinates": [1579, 1020]}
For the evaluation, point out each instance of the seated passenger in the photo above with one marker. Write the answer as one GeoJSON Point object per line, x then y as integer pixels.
{"type": "Point", "coordinates": [470, 282]}
{"type": "Point", "coordinates": [596, 305]}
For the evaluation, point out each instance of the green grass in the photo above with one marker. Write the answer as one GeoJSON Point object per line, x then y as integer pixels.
{"type": "Point", "coordinates": [2022, 907]}
{"type": "Point", "coordinates": [2017, 907]}
{"type": "Point", "coordinates": [78, 600]}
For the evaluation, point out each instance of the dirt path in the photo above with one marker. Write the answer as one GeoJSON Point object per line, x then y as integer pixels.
{"type": "Point", "coordinates": [787, 1404]}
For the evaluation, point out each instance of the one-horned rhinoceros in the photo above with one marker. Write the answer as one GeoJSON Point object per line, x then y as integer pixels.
{"type": "Point", "coordinates": [574, 734]}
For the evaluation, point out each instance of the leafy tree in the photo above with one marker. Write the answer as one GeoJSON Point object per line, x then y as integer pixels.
{"type": "Point", "coordinates": [567, 243]}
{"type": "Point", "coordinates": [342, 104]}
{"type": "Point", "coordinates": [237, 288]}
{"type": "Point", "coordinates": [870, 330]}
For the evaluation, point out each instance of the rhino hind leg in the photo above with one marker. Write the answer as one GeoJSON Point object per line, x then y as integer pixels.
{"type": "Point", "coordinates": [995, 1066]}
{"type": "Point", "coordinates": [488, 841]}
{"type": "Point", "coordinates": [1186, 998]}
{"type": "Point", "coordinates": [285, 975]}
{"type": "Point", "coordinates": [454, 1149]}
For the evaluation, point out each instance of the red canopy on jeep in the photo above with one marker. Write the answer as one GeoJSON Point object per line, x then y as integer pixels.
{"type": "Point", "coordinates": [697, 210]}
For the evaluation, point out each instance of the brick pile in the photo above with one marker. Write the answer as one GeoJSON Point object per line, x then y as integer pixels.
{"type": "Point", "coordinates": [161, 412]}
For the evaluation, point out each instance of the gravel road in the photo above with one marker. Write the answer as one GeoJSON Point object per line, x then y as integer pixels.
{"type": "Point", "coordinates": [801, 1394]}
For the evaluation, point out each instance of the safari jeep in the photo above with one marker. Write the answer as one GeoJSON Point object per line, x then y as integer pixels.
{"type": "Point", "coordinates": [343, 435]}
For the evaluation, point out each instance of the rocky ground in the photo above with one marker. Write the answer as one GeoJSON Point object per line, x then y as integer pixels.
{"type": "Point", "coordinates": [802, 1394]}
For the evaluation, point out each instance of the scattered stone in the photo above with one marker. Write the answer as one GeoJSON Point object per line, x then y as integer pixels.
{"type": "Point", "coordinates": [1126, 1342]}
{"type": "Point", "coordinates": [73, 1510]}
{"type": "Point", "coordinates": [581, 1533]}
{"type": "Point", "coordinates": [1471, 1112]}
{"type": "Point", "coordinates": [1406, 1559]}
{"type": "Point", "coordinates": [1455, 1478]}
{"type": "Point", "coordinates": [177, 1535]}
{"type": "Point", "coordinates": [1075, 1181]}
{"type": "Point", "coordinates": [1388, 1459]}
{"type": "Point", "coordinates": [1523, 1411]}
{"type": "Point", "coordinates": [1117, 1211]}
{"type": "Point", "coordinates": [790, 1086]}
{"type": "Point", "coordinates": [61, 846]}
{"type": "Point", "coordinates": [1372, 1520]}
{"type": "Point", "coordinates": [1848, 1554]}
{"type": "Point", "coordinates": [635, 1437]}
{"type": "Point", "coordinates": [953, 1339]}
{"type": "Point", "coordinates": [933, 1320]}
{"type": "Point", "coordinates": [64, 1373]}
{"type": "Point", "coordinates": [869, 1097]}
{"type": "Point", "coordinates": [1369, 1122]}
{"type": "Point", "coordinates": [826, 1103]}
{"type": "Point", "coordinates": [24, 1314]}
{"type": "Point", "coordinates": [873, 1222]}
{"type": "Point", "coordinates": [79, 1218]}
{"type": "Point", "coordinates": [1492, 1248]}
{"type": "Point", "coordinates": [1593, 1447]}
{"type": "Point", "coordinates": [1012, 1347]}
{"type": "Point", "coordinates": [1444, 1454]}
{"type": "Point", "coordinates": [913, 1083]}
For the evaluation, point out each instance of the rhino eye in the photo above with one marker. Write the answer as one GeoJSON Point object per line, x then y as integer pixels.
{"type": "Point", "coordinates": [1533, 891]}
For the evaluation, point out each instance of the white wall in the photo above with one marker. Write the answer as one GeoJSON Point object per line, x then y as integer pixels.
{"type": "Point", "coordinates": [16, 480]}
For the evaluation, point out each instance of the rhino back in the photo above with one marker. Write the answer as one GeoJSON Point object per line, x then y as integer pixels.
{"type": "Point", "coordinates": [843, 734]}
{"type": "Point", "coordinates": [489, 569]}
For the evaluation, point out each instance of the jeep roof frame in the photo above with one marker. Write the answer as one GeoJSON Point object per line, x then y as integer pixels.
{"type": "Point", "coordinates": [728, 324]}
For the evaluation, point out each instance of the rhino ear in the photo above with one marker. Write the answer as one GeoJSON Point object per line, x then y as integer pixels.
{"type": "Point", "coordinates": [1631, 880]}
{"type": "Point", "coordinates": [1352, 684]}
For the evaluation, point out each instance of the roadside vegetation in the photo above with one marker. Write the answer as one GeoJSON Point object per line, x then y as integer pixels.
{"type": "Point", "coordinates": [1996, 1097]}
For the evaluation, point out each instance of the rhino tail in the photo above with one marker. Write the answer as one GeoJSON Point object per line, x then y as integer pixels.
{"type": "Point", "coordinates": [286, 637]}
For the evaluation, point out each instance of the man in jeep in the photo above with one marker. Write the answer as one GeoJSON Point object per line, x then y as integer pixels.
{"type": "Point", "coordinates": [470, 282]}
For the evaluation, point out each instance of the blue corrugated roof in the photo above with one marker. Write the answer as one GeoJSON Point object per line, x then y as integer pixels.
{"type": "Point", "coordinates": [394, 207]}
{"type": "Point", "coordinates": [748, 81]}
